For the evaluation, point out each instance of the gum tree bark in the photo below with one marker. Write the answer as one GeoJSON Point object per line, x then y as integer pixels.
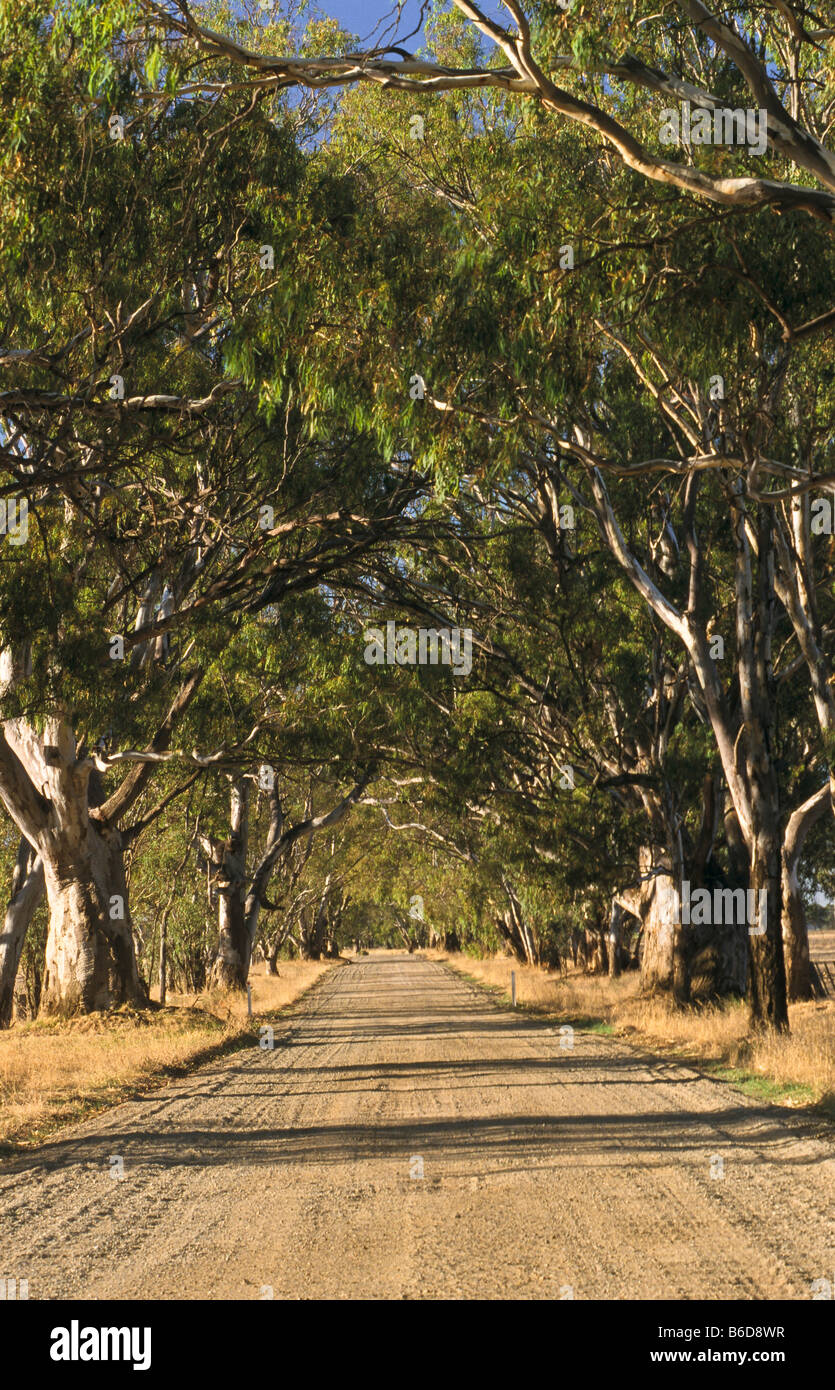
{"type": "Point", "coordinates": [718, 955]}
{"type": "Point", "coordinates": [754, 628]}
{"type": "Point", "coordinates": [26, 896]}
{"type": "Point", "coordinates": [675, 959]}
{"type": "Point", "coordinates": [313, 926]}
{"type": "Point", "coordinates": [53, 793]}
{"type": "Point", "coordinates": [615, 920]}
{"type": "Point", "coordinates": [795, 578]}
{"type": "Point", "coordinates": [228, 858]}
{"type": "Point", "coordinates": [795, 586]}
{"type": "Point", "coordinates": [746, 752]}
{"type": "Point", "coordinates": [795, 933]}
{"type": "Point", "coordinates": [242, 894]}
{"type": "Point", "coordinates": [44, 784]}
{"type": "Point", "coordinates": [515, 930]}
{"type": "Point", "coordinates": [658, 911]}
{"type": "Point", "coordinates": [522, 73]}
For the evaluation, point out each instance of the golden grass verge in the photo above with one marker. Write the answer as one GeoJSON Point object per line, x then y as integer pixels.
{"type": "Point", "coordinates": [798, 1070]}
{"type": "Point", "coordinates": [53, 1073]}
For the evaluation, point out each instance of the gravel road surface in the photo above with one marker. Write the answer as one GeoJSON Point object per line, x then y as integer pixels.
{"type": "Point", "coordinates": [548, 1171]}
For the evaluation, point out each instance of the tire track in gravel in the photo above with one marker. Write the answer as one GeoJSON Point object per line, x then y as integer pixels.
{"type": "Point", "coordinates": [547, 1173]}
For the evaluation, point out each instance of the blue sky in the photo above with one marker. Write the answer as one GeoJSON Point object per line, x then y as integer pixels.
{"type": "Point", "coordinates": [375, 18]}
{"type": "Point", "coordinates": [362, 15]}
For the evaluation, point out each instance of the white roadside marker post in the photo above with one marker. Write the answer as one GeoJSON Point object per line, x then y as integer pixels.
{"type": "Point", "coordinates": [513, 987]}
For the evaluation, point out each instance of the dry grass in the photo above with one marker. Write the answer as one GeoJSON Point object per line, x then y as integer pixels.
{"type": "Point", "coordinates": [795, 1070]}
{"type": "Point", "coordinates": [579, 996]}
{"type": "Point", "coordinates": [53, 1073]}
{"type": "Point", "coordinates": [821, 943]}
{"type": "Point", "coordinates": [269, 992]}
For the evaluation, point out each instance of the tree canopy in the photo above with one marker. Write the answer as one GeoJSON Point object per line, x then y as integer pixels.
{"type": "Point", "coordinates": [417, 488]}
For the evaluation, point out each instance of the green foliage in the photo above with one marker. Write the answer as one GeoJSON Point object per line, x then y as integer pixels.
{"type": "Point", "coordinates": [392, 258]}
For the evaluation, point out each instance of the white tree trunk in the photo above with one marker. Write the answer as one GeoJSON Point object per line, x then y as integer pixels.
{"type": "Point", "coordinates": [795, 933]}
{"type": "Point", "coordinates": [231, 966]}
{"type": "Point", "coordinates": [90, 958]}
{"type": "Point", "coordinates": [24, 900]}
{"type": "Point", "coordinates": [659, 914]}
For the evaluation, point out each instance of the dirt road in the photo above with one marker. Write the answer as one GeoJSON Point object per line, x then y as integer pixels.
{"type": "Point", "coordinates": [547, 1170]}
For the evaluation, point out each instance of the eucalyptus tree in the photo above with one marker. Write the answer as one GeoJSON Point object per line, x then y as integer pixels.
{"type": "Point", "coordinates": [581, 742]}
{"type": "Point", "coordinates": [155, 496]}
{"type": "Point", "coordinates": [529, 299]}
{"type": "Point", "coordinates": [627, 78]}
{"type": "Point", "coordinates": [276, 682]}
{"type": "Point", "coordinates": [501, 355]}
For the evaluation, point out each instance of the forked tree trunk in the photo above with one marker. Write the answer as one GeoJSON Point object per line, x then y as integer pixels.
{"type": "Point", "coordinates": [795, 583]}
{"type": "Point", "coordinates": [308, 949]}
{"type": "Point", "coordinates": [241, 898]}
{"type": "Point", "coordinates": [507, 931]}
{"type": "Point", "coordinates": [50, 791]}
{"type": "Point", "coordinates": [90, 959]}
{"type": "Point", "coordinates": [746, 747]}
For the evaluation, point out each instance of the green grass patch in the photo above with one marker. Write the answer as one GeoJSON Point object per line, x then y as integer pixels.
{"type": "Point", "coordinates": [761, 1087]}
